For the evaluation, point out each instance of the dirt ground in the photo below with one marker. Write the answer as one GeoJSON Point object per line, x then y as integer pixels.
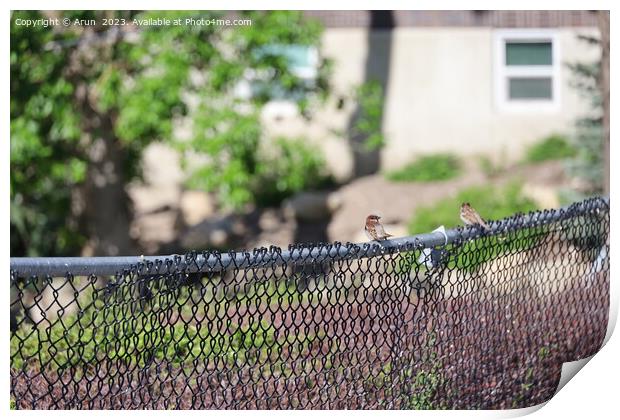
{"type": "Point", "coordinates": [481, 354]}
{"type": "Point", "coordinates": [169, 220]}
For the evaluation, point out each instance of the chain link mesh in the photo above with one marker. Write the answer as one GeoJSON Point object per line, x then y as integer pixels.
{"type": "Point", "coordinates": [483, 322]}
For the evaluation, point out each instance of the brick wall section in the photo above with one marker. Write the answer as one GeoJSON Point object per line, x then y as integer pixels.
{"type": "Point", "coordinates": [462, 18]}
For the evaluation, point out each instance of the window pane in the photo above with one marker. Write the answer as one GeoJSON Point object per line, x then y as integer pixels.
{"type": "Point", "coordinates": [297, 56]}
{"type": "Point", "coordinates": [530, 88]}
{"type": "Point", "coordinates": [528, 53]}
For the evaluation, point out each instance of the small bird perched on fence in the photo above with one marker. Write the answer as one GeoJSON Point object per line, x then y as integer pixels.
{"type": "Point", "coordinates": [470, 217]}
{"type": "Point", "coordinates": [374, 229]}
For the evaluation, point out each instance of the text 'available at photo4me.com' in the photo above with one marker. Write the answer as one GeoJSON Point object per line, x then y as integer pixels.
{"type": "Point", "coordinates": [137, 22]}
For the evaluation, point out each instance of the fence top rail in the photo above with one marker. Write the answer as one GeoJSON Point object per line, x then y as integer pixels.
{"type": "Point", "coordinates": [210, 261]}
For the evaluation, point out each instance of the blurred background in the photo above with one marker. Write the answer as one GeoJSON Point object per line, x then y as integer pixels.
{"type": "Point", "coordinates": [131, 137]}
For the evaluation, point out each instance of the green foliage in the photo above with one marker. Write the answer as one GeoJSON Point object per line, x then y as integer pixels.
{"type": "Point", "coordinates": [526, 385]}
{"type": "Point", "coordinates": [425, 386]}
{"type": "Point", "coordinates": [135, 338]}
{"type": "Point", "coordinates": [136, 333]}
{"type": "Point", "coordinates": [551, 148]}
{"type": "Point", "coordinates": [437, 167]}
{"type": "Point", "coordinates": [105, 333]}
{"type": "Point", "coordinates": [588, 136]}
{"type": "Point", "coordinates": [474, 253]}
{"type": "Point", "coordinates": [584, 80]}
{"type": "Point", "coordinates": [568, 195]}
{"type": "Point", "coordinates": [422, 383]}
{"type": "Point", "coordinates": [292, 166]}
{"type": "Point", "coordinates": [277, 171]}
{"type": "Point", "coordinates": [70, 90]}
{"type": "Point", "coordinates": [369, 99]}
{"type": "Point", "coordinates": [45, 164]}
{"type": "Point", "coordinates": [492, 202]}
{"type": "Point", "coordinates": [587, 163]}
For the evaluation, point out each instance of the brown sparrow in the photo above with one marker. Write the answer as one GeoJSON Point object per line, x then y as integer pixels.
{"type": "Point", "coordinates": [470, 217]}
{"type": "Point", "coordinates": [374, 229]}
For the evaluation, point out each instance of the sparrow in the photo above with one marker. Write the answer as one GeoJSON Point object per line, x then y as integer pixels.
{"type": "Point", "coordinates": [374, 229]}
{"type": "Point", "coordinates": [470, 217]}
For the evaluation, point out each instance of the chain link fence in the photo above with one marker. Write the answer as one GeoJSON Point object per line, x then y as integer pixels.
{"type": "Point", "coordinates": [470, 320]}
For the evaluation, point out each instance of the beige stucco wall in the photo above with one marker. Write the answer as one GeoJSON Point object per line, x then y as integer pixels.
{"type": "Point", "coordinates": [347, 48]}
{"type": "Point", "coordinates": [440, 97]}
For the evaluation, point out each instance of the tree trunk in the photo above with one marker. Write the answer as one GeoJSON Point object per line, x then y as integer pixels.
{"type": "Point", "coordinates": [603, 24]}
{"type": "Point", "coordinates": [104, 205]}
{"type": "Point", "coordinates": [377, 68]}
{"type": "Point", "coordinates": [107, 208]}
{"type": "Point", "coordinates": [107, 203]}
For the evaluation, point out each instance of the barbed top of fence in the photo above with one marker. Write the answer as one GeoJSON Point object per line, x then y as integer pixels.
{"type": "Point", "coordinates": [210, 261]}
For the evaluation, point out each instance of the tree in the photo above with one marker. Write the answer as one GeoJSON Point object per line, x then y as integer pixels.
{"type": "Point", "coordinates": [86, 101]}
{"type": "Point", "coordinates": [603, 81]}
{"type": "Point", "coordinates": [591, 135]}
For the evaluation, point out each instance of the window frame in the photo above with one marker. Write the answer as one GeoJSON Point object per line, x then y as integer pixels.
{"type": "Point", "coordinates": [281, 107]}
{"type": "Point", "coordinates": [503, 72]}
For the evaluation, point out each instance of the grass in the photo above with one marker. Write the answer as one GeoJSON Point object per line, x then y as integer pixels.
{"type": "Point", "coordinates": [493, 203]}
{"type": "Point", "coordinates": [437, 167]}
{"type": "Point", "coordinates": [86, 339]}
{"type": "Point", "coordinates": [554, 147]}
{"type": "Point", "coordinates": [425, 385]}
{"type": "Point", "coordinates": [425, 381]}
{"type": "Point", "coordinates": [108, 330]}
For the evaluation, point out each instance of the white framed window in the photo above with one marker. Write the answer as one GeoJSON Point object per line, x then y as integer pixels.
{"type": "Point", "coordinates": [303, 62]}
{"type": "Point", "coordinates": [527, 70]}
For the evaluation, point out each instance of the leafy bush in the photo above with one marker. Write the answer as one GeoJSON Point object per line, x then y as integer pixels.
{"type": "Point", "coordinates": [437, 167]}
{"type": "Point", "coordinates": [125, 95]}
{"type": "Point", "coordinates": [551, 148]}
{"type": "Point", "coordinates": [294, 166]}
{"type": "Point", "coordinates": [263, 177]}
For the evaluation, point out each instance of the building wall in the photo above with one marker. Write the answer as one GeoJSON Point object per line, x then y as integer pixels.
{"type": "Point", "coordinates": [457, 18]}
{"type": "Point", "coordinates": [440, 96]}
